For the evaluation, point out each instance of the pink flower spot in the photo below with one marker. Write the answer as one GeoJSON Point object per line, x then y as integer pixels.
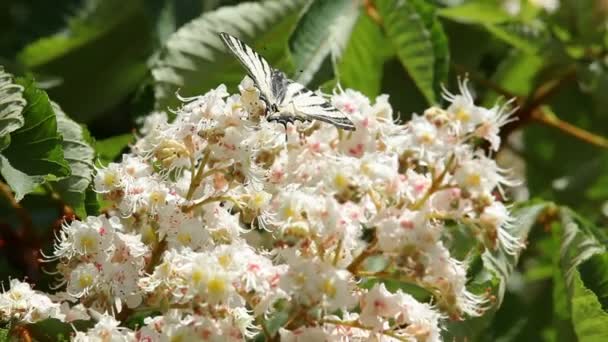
{"type": "Point", "coordinates": [406, 224]}
{"type": "Point", "coordinates": [356, 151]}
{"type": "Point", "coordinates": [348, 108]}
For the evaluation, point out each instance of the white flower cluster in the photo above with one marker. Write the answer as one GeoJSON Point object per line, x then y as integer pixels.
{"type": "Point", "coordinates": [219, 225]}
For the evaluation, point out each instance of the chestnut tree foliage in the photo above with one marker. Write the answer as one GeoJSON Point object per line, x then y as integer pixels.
{"type": "Point", "coordinates": [144, 195]}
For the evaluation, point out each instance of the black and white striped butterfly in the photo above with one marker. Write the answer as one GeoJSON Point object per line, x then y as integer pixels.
{"type": "Point", "coordinates": [286, 100]}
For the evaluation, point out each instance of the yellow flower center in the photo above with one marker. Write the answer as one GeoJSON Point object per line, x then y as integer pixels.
{"type": "Point", "coordinates": [216, 286]}
{"type": "Point", "coordinates": [85, 280]}
{"type": "Point", "coordinates": [184, 238]}
{"type": "Point", "coordinates": [109, 179]}
{"type": "Point", "coordinates": [462, 115]}
{"type": "Point", "coordinates": [198, 276]}
{"type": "Point", "coordinates": [88, 243]}
{"type": "Point", "coordinates": [473, 179]}
{"type": "Point", "coordinates": [329, 289]}
{"type": "Point", "coordinates": [341, 181]}
{"type": "Point", "coordinates": [225, 260]}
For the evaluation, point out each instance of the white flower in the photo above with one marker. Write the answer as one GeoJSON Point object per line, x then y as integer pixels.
{"type": "Point", "coordinates": [82, 279]}
{"type": "Point", "coordinates": [22, 303]}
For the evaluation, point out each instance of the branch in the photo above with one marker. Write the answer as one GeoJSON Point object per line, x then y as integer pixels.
{"type": "Point", "coordinates": [548, 118]}
{"type": "Point", "coordinates": [540, 96]}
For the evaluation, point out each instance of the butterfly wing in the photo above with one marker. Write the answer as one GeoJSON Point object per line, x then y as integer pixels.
{"type": "Point", "coordinates": [292, 100]}
{"type": "Point", "coordinates": [257, 67]}
{"type": "Point", "coordinates": [309, 105]}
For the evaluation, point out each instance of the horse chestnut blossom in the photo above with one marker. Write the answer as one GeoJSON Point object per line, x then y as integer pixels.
{"type": "Point", "coordinates": [217, 225]}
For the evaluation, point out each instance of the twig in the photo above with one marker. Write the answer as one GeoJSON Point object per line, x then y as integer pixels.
{"type": "Point", "coordinates": [540, 96]}
{"type": "Point", "coordinates": [208, 200]}
{"type": "Point", "coordinates": [550, 119]}
{"type": "Point", "coordinates": [355, 324]}
{"type": "Point", "coordinates": [368, 251]}
{"type": "Point", "coordinates": [198, 177]}
{"type": "Point", "coordinates": [372, 11]}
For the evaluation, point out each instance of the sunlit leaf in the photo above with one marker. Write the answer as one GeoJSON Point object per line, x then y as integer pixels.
{"type": "Point", "coordinates": [11, 107]}
{"type": "Point", "coordinates": [35, 152]}
{"type": "Point", "coordinates": [322, 31]}
{"type": "Point", "coordinates": [195, 60]}
{"type": "Point", "coordinates": [418, 39]}
{"type": "Point", "coordinates": [477, 11]}
{"type": "Point", "coordinates": [361, 65]}
{"type": "Point", "coordinates": [80, 156]}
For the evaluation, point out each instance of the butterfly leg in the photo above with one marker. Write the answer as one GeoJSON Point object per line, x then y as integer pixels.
{"type": "Point", "coordinates": [282, 119]}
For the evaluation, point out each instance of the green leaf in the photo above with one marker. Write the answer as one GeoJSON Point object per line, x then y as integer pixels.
{"type": "Point", "coordinates": [35, 153]}
{"type": "Point", "coordinates": [361, 65]}
{"type": "Point", "coordinates": [419, 41]}
{"type": "Point", "coordinates": [517, 74]}
{"type": "Point", "coordinates": [109, 149]}
{"type": "Point", "coordinates": [322, 30]}
{"type": "Point", "coordinates": [589, 320]}
{"type": "Point", "coordinates": [195, 60]}
{"type": "Point", "coordinates": [100, 57]}
{"type": "Point", "coordinates": [36, 147]}
{"type": "Point", "coordinates": [477, 11]}
{"type": "Point", "coordinates": [501, 263]}
{"type": "Point", "coordinates": [11, 107]}
{"type": "Point", "coordinates": [498, 266]}
{"type": "Point", "coordinates": [530, 37]}
{"type": "Point", "coordinates": [584, 266]}
{"type": "Point", "coordinates": [91, 202]}
{"type": "Point", "coordinates": [80, 155]}
{"type": "Point", "coordinates": [21, 183]}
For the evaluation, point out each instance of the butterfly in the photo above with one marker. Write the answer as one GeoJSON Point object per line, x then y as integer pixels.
{"type": "Point", "coordinates": [286, 100]}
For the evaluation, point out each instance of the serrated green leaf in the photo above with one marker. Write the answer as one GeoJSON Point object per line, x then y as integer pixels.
{"type": "Point", "coordinates": [419, 41]}
{"type": "Point", "coordinates": [589, 320]}
{"type": "Point", "coordinates": [477, 11]}
{"type": "Point", "coordinates": [35, 153]}
{"type": "Point", "coordinates": [584, 265]}
{"type": "Point", "coordinates": [99, 58]}
{"type": "Point", "coordinates": [109, 149]}
{"type": "Point", "coordinates": [80, 156]}
{"type": "Point", "coordinates": [12, 104]}
{"type": "Point", "coordinates": [36, 147]}
{"type": "Point", "coordinates": [91, 202]}
{"type": "Point", "coordinates": [362, 62]}
{"type": "Point", "coordinates": [498, 267]}
{"type": "Point", "coordinates": [322, 31]}
{"type": "Point", "coordinates": [195, 60]}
